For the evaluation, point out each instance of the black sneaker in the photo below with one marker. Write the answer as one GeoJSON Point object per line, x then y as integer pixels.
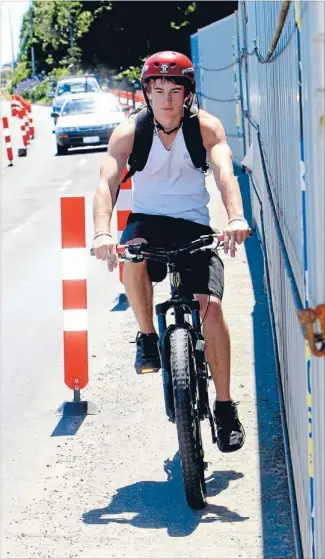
{"type": "Point", "coordinates": [230, 432]}
{"type": "Point", "coordinates": [147, 358]}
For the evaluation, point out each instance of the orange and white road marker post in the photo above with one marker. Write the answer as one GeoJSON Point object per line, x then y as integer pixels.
{"type": "Point", "coordinates": [16, 106]}
{"type": "Point", "coordinates": [26, 122]}
{"type": "Point", "coordinates": [30, 121]}
{"type": "Point", "coordinates": [7, 138]}
{"type": "Point", "coordinates": [74, 288]}
{"type": "Point", "coordinates": [123, 209]}
{"type": "Point", "coordinates": [22, 152]}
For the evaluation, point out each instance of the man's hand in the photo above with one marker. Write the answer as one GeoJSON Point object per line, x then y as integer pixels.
{"type": "Point", "coordinates": [236, 231]}
{"type": "Point", "coordinates": [105, 249]}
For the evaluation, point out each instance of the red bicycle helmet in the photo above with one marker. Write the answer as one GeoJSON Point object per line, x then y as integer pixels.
{"type": "Point", "coordinates": [168, 64]}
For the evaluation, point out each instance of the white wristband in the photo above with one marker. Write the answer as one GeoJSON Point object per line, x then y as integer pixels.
{"type": "Point", "coordinates": [237, 219]}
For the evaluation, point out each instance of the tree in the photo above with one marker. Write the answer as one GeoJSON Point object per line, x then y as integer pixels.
{"type": "Point", "coordinates": [113, 36]}
{"type": "Point", "coordinates": [57, 28]}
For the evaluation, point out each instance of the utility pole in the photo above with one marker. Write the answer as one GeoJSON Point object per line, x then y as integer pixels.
{"type": "Point", "coordinates": [31, 38]}
{"type": "Point", "coordinates": [71, 37]}
{"type": "Point", "coordinates": [12, 43]}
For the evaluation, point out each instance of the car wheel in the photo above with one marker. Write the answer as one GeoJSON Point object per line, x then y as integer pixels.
{"type": "Point", "coordinates": [61, 150]}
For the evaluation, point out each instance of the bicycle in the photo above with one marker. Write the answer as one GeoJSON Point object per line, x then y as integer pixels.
{"type": "Point", "coordinates": [184, 368]}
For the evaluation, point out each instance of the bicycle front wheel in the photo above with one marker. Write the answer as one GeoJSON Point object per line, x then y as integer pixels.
{"type": "Point", "coordinates": [186, 415]}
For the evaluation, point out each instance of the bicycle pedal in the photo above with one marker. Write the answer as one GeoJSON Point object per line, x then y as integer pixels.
{"type": "Point", "coordinates": [147, 370]}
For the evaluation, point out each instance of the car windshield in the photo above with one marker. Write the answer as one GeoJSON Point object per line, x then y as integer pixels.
{"type": "Point", "coordinates": [85, 86]}
{"type": "Point", "coordinates": [84, 106]}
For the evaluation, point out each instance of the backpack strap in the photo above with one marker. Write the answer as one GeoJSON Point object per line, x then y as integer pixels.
{"type": "Point", "coordinates": [193, 139]}
{"type": "Point", "coordinates": [143, 136]}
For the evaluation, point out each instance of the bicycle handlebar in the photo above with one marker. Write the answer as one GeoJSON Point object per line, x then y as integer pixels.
{"type": "Point", "coordinates": [144, 250]}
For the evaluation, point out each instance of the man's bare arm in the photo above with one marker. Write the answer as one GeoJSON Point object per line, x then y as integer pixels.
{"type": "Point", "coordinates": [220, 156]}
{"type": "Point", "coordinates": [119, 148]}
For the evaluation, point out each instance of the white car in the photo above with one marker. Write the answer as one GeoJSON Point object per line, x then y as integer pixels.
{"type": "Point", "coordinates": [72, 85]}
{"type": "Point", "coordinates": [87, 120]}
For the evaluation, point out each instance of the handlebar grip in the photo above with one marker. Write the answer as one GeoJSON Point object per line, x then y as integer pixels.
{"type": "Point", "coordinates": [221, 237]}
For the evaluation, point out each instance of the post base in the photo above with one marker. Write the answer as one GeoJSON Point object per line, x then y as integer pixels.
{"type": "Point", "coordinates": [77, 408]}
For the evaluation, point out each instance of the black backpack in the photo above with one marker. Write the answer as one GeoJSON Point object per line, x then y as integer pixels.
{"type": "Point", "coordinates": [144, 129]}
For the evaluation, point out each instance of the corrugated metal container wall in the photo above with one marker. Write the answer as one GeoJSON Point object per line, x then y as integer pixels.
{"type": "Point", "coordinates": [313, 68]}
{"type": "Point", "coordinates": [219, 93]}
{"type": "Point", "coordinates": [292, 133]}
{"type": "Point", "coordinates": [196, 64]}
{"type": "Point", "coordinates": [274, 106]}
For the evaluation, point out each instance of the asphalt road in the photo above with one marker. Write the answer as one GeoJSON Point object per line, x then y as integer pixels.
{"type": "Point", "coordinates": [108, 485]}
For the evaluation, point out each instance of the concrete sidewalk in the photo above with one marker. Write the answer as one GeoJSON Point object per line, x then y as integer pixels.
{"type": "Point", "coordinates": [249, 491]}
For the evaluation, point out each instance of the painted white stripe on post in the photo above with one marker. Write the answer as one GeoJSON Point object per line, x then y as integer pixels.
{"type": "Point", "coordinates": [74, 264]}
{"type": "Point", "coordinates": [75, 320]}
{"type": "Point", "coordinates": [124, 201]}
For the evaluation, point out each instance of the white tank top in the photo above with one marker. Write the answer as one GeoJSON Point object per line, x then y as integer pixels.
{"type": "Point", "coordinates": [170, 185]}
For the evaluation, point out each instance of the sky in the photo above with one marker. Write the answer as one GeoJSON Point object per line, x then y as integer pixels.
{"type": "Point", "coordinates": [16, 8]}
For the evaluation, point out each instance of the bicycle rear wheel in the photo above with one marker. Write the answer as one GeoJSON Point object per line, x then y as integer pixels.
{"type": "Point", "coordinates": [186, 415]}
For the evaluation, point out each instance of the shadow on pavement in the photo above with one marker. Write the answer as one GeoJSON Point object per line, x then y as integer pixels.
{"type": "Point", "coordinates": [161, 504]}
{"type": "Point", "coordinates": [121, 303]}
{"type": "Point", "coordinates": [276, 513]}
{"type": "Point", "coordinates": [68, 426]}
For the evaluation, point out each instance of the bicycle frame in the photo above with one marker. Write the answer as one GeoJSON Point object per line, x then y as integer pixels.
{"type": "Point", "coordinates": [183, 303]}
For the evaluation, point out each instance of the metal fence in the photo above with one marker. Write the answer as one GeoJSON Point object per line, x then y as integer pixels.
{"type": "Point", "coordinates": [282, 99]}
{"type": "Point", "coordinates": [216, 61]}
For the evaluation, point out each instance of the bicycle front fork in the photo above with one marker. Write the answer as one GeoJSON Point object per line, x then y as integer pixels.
{"type": "Point", "coordinates": [166, 375]}
{"type": "Point", "coordinates": [179, 314]}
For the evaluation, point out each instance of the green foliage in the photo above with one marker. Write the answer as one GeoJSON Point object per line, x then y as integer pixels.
{"type": "Point", "coordinates": [189, 10]}
{"type": "Point", "coordinates": [132, 74]}
{"type": "Point", "coordinates": [110, 39]}
{"type": "Point", "coordinates": [183, 24]}
{"type": "Point", "coordinates": [6, 77]}
{"type": "Point", "coordinates": [22, 72]}
{"type": "Point", "coordinates": [58, 73]}
{"type": "Point", "coordinates": [41, 90]}
{"type": "Point", "coordinates": [58, 26]}
{"type": "Point", "coordinates": [104, 6]}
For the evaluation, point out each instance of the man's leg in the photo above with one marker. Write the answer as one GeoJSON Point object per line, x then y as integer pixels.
{"type": "Point", "coordinates": [230, 432]}
{"type": "Point", "coordinates": [217, 344]}
{"type": "Point", "coordinates": [139, 292]}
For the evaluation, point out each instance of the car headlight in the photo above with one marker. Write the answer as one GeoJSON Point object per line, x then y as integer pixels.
{"type": "Point", "coordinates": [64, 130]}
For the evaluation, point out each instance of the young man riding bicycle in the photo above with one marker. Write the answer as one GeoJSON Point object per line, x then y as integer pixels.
{"type": "Point", "coordinates": [170, 205]}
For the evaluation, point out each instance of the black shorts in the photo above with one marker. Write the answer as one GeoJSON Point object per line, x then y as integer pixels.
{"type": "Point", "coordinates": [202, 272]}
